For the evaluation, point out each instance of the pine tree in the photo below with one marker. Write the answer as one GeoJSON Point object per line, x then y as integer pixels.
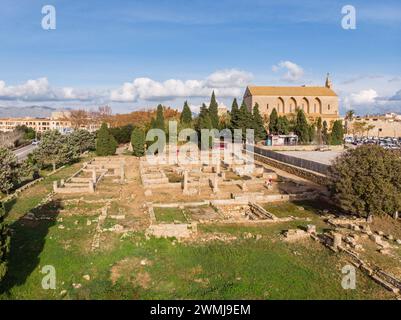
{"type": "Point", "coordinates": [213, 112]}
{"type": "Point", "coordinates": [337, 133]}
{"type": "Point", "coordinates": [273, 122]}
{"type": "Point", "coordinates": [55, 149]}
{"type": "Point", "coordinates": [260, 131]}
{"type": "Point", "coordinates": [9, 170]}
{"type": "Point", "coordinates": [186, 114]}
{"type": "Point", "coordinates": [106, 145]}
{"type": "Point", "coordinates": [234, 115]}
{"type": "Point", "coordinates": [301, 128]}
{"type": "Point", "coordinates": [4, 242]}
{"type": "Point", "coordinates": [138, 142]}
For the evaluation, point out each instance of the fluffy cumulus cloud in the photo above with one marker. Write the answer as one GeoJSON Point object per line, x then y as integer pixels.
{"type": "Point", "coordinates": [226, 83]}
{"type": "Point", "coordinates": [41, 90]}
{"type": "Point", "coordinates": [364, 97]}
{"type": "Point", "coordinates": [292, 71]}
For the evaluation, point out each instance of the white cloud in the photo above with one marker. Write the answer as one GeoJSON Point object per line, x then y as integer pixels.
{"type": "Point", "coordinates": [226, 83]}
{"type": "Point", "coordinates": [41, 90]}
{"type": "Point", "coordinates": [364, 97]}
{"type": "Point", "coordinates": [293, 72]}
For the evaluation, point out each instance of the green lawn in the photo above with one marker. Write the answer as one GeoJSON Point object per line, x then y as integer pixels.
{"type": "Point", "coordinates": [131, 267]}
{"type": "Point", "coordinates": [169, 215]}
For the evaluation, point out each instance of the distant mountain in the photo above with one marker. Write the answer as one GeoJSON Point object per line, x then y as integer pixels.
{"type": "Point", "coordinates": [31, 111]}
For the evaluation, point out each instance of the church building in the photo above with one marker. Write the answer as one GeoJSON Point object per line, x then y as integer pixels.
{"type": "Point", "coordinates": [315, 101]}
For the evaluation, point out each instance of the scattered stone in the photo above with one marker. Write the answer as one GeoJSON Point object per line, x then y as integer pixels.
{"type": "Point", "coordinates": [398, 241]}
{"type": "Point", "coordinates": [258, 236]}
{"type": "Point", "coordinates": [144, 262]}
{"type": "Point", "coordinates": [87, 277]}
{"type": "Point", "coordinates": [301, 208]}
{"type": "Point", "coordinates": [380, 233]}
{"type": "Point", "coordinates": [76, 222]}
{"type": "Point", "coordinates": [385, 251]}
{"type": "Point", "coordinates": [63, 292]}
{"type": "Point", "coordinates": [61, 226]}
{"type": "Point", "coordinates": [76, 285]}
{"type": "Point", "coordinates": [311, 228]}
{"type": "Point", "coordinates": [295, 234]}
{"type": "Point", "coordinates": [390, 237]}
{"type": "Point", "coordinates": [118, 217]}
{"type": "Point", "coordinates": [88, 222]}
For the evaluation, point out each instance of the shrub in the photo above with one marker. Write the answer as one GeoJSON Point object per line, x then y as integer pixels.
{"type": "Point", "coordinates": [367, 181]}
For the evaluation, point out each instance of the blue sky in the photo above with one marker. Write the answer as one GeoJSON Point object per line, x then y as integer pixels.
{"type": "Point", "coordinates": [134, 54]}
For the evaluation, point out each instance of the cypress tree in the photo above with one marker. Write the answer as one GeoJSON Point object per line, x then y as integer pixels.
{"type": "Point", "coordinates": [260, 132]}
{"type": "Point", "coordinates": [273, 121]}
{"type": "Point", "coordinates": [159, 121]}
{"type": "Point", "coordinates": [302, 129]}
{"type": "Point", "coordinates": [106, 145]}
{"type": "Point", "coordinates": [337, 133]}
{"type": "Point", "coordinates": [319, 132]}
{"type": "Point", "coordinates": [234, 115]}
{"type": "Point", "coordinates": [138, 142]}
{"type": "Point", "coordinates": [186, 114]}
{"type": "Point", "coordinates": [325, 133]}
{"type": "Point", "coordinates": [204, 121]}
{"type": "Point", "coordinates": [283, 125]}
{"type": "Point", "coordinates": [4, 242]}
{"type": "Point", "coordinates": [245, 119]}
{"type": "Point", "coordinates": [213, 112]}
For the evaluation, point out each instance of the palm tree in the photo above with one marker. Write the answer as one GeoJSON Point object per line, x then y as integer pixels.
{"type": "Point", "coordinates": [349, 116]}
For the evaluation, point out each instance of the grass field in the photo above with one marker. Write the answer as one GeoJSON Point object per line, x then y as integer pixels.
{"type": "Point", "coordinates": [128, 266]}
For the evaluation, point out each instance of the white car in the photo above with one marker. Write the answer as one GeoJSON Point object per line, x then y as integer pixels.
{"type": "Point", "coordinates": [35, 142]}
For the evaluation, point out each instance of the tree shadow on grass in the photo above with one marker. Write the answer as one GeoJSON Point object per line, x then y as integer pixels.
{"type": "Point", "coordinates": [28, 237]}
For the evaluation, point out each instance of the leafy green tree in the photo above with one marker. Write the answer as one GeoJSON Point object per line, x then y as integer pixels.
{"type": "Point", "coordinates": [260, 131]}
{"type": "Point", "coordinates": [55, 149]}
{"type": "Point", "coordinates": [29, 133]}
{"type": "Point", "coordinates": [138, 142]}
{"type": "Point", "coordinates": [186, 115]}
{"type": "Point", "coordinates": [122, 134]}
{"type": "Point", "coordinates": [213, 112]}
{"type": "Point", "coordinates": [4, 242]}
{"type": "Point", "coordinates": [301, 128]}
{"type": "Point", "coordinates": [106, 145]}
{"type": "Point", "coordinates": [273, 122]}
{"type": "Point", "coordinates": [83, 139]}
{"type": "Point", "coordinates": [337, 133]}
{"type": "Point", "coordinates": [234, 115]}
{"type": "Point", "coordinates": [366, 181]}
{"type": "Point", "coordinates": [283, 125]}
{"type": "Point", "coordinates": [9, 170]}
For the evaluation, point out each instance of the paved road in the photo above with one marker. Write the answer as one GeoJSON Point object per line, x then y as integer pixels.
{"type": "Point", "coordinates": [22, 153]}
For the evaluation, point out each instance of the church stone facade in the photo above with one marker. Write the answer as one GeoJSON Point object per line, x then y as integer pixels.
{"type": "Point", "coordinates": [315, 101]}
